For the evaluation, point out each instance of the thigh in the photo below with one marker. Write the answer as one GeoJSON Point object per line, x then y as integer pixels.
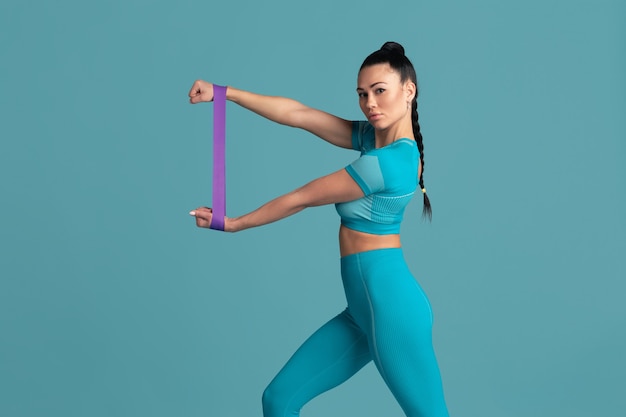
{"type": "Point", "coordinates": [401, 342]}
{"type": "Point", "coordinates": [327, 358]}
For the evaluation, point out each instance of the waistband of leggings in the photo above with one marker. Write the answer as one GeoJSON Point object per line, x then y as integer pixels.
{"type": "Point", "coordinates": [372, 254]}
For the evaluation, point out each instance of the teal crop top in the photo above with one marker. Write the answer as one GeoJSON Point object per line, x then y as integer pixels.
{"type": "Point", "coordinates": [388, 178]}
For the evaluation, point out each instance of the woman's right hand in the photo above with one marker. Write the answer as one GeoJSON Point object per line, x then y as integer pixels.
{"type": "Point", "coordinates": [284, 111]}
{"type": "Point", "coordinates": [201, 91]}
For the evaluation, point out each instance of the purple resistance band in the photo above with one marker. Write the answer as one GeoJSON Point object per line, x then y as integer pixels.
{"type": "Point", "coordinates": [219, 157]}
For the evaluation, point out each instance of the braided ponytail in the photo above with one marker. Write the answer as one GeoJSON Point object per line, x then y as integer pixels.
{"type": "Point", "coordinates": [392, 53]}
{"type": "Point", "coordinates": [427, 211]}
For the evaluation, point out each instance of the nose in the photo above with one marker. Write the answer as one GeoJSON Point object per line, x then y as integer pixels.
{"type": "Point", "coordinates": [371, 102]}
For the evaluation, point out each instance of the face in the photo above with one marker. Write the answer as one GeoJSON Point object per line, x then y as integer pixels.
{"type": "Point", "coordinates": [383, 98]}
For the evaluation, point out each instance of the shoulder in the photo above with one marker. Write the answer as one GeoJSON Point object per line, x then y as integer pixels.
{"type": "Point", "coordinates": [398, 162]}
{"type": "Point", "coordinates": [401, 149]}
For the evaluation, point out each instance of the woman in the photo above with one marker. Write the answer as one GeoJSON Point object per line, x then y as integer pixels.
{"type": "Point", "coordinates": [388, 318]}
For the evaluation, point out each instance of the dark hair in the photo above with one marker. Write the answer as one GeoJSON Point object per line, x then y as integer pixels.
{"type": "Point", "coordinates": [392, 53]}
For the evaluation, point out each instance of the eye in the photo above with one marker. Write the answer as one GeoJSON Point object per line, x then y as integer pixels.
{"type": "Point", "coordinates": [362, 94]}
{"type": "Point", "coordinates": [380, 90]}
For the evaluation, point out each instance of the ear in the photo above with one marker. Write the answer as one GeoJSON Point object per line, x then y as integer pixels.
{"type": "Point", "coordinates": [411, 89]}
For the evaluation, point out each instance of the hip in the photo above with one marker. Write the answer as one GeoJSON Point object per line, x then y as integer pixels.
{"type": "Point", "coordinates": [380, 281]}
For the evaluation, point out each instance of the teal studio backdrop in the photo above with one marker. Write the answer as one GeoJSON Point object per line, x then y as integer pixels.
{"type": "Point", "coordinates": [112, 303]}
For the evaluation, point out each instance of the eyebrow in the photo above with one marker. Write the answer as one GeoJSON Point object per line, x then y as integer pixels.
{"type": "Point", "coordinates": [377, 82]}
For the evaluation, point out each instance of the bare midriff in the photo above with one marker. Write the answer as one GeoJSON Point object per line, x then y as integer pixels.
{"type": "Point", "coordinates": [351, 241]}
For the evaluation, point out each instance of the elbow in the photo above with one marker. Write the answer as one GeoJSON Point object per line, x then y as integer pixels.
{"type": "Point", "coordinates": [302, 199]}
{"type": "Point", "coordinates": [295, 116]}
{"type": "Point", "coordinates": [298, 201]}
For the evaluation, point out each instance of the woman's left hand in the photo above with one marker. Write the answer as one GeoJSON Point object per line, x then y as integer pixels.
{"type": "Point", "coordinates": [204, 215]}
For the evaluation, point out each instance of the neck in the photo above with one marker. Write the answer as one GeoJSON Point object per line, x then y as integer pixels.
{"type": "Point", "coordinates": [392, 133]}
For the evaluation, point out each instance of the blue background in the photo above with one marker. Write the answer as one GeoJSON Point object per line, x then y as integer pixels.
{"type": "Point", "coordinates": [112, 303]}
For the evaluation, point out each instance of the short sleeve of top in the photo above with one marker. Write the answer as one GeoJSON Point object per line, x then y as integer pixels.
{"type": "Point", "coordinates": [388, 178]}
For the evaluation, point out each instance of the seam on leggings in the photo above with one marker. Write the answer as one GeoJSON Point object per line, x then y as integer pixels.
{"type": "Point", "coordinates": [373, 322]}
{"type": "Point", "coordinates": [340, 359]}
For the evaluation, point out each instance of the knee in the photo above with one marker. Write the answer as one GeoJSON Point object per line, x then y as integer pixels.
{"type": "Point", "coordinates": [273, 404]}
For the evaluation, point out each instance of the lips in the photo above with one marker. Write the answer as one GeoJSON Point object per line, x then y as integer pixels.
{"type": "Point", "coordinates": [375, 116]}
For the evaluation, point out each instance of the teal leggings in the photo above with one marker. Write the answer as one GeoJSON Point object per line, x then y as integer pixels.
{"type": "Point", "coordinates": [389, 321]}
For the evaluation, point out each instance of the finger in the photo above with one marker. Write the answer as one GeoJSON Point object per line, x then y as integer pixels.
{"type": "Point", "coordinates": [200, 91]}
{"type": "Point", "coordinates": [195, 89]}
{"type": "Point", "coordinates": [195, 94]}
{"type": "Point", "coordinates": [201, 212]}
{"type": "Point", "coordinates": [201, 97]}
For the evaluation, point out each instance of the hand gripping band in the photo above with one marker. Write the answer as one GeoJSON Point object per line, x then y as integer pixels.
{"type": "Point", "coordinates": [219, 157]}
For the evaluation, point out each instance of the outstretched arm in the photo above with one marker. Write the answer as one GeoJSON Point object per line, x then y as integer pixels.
{"type": "Point", "coordinates": [337, 187]}
{"type": "Point", "coordinates": [283, 110]}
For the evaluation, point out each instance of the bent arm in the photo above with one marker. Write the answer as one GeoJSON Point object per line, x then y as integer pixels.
{"type": "Point", "coordinates": [337, 187]}
{"type": "Point", "coordinates": [292, 113]}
